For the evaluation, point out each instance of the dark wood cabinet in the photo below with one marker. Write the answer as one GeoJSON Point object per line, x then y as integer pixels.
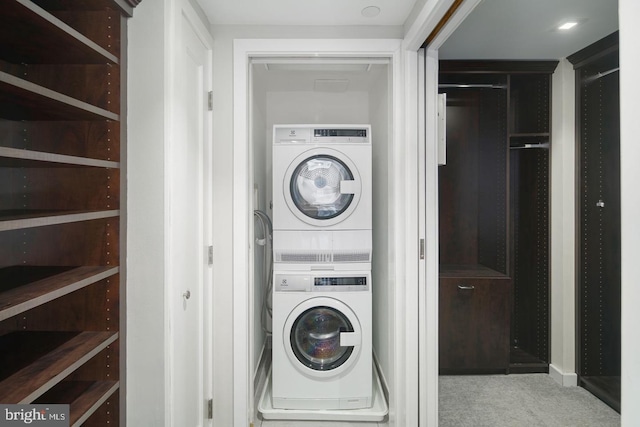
{"type": "Point", "coordinates": [474, 315]}
{"type": "Point", "coordinates": [61, 283]}
{"type": "Point", "coordinates": [494, 213]}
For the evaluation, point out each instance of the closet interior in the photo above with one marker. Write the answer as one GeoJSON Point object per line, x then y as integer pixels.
{"type": "Point", "coordinates": [494, 217]}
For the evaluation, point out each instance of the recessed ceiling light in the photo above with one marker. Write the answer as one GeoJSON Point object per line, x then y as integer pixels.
{"type": "Point", "coordinates": [567, 25]}
{"type": "Point", "coordinates": [370, 11]}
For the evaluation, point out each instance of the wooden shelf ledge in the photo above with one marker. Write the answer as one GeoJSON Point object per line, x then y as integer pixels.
{"type": "Point", "coordinates": [31, 35]}
{"type": "Point", "coordinates": [24, 100]}
{"type": "Point", "coordinates": [30, 382]}
{"type": "Point", "coordinates": [18, 220]}
{"type": "Point", "coordinates": [124, 6]}
{"type": "Point", "coordinates": [530, 135]}
{"type": "Point", "coordinates": [469, 271]}
{"type": "Point", "coordinates": [20, 298]}
{"type": "Point", "coordinates": [87, 403]}
{"type": "Point", "coordinates": [16, 157]}
{"type": "Point", "coordinates": [83, 397]}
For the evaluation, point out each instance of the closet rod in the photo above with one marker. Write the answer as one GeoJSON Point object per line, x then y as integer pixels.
{"type": "Point", "coordinates": [544, 145]}
{"type": "Point", "coordinates": [600, 75]}
{"type": "Point", "coordinates": [470, 86]}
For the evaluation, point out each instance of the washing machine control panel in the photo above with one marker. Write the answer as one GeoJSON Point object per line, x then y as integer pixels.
{"type": "Point", "coordinates": [321, 283]}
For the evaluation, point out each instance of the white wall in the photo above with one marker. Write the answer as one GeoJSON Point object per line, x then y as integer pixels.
{"type": "Point", "coordinates": [563, 143]}
{"type": "Point", "coordinates": [317, 107]}
{"type": "Point", "coordinates": [383, 232]}
{"type": "Point", "coordinates": [146, 315]}
{"type": "Point", "coordinates": [629, 13]}
{"type": "Point", "coordinates": [413, 15]}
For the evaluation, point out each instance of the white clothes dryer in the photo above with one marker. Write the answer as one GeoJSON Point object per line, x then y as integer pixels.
{"type": "Point", "coordinates": [322, 343]}
{"type": "Point", "coordinates": [322, 186]}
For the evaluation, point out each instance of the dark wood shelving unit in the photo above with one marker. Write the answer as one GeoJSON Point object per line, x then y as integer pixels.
{"type": "Point", "coordinates": [61, 139]}
{"type": "Point", "coordinates": [494, 217]}
{"type": "Point", "coordinates": [529, 233]}
{"type": "Point", "coordinates": [598, 219]}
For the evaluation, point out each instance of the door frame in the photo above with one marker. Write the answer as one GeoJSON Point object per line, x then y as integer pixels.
{"type": "Point", "coordinates": [425, 75]}
{"type": "Point", "coordinates": [244, 51]}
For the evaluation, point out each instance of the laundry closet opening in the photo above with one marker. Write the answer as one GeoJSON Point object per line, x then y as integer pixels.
{"type": "Point", "coordinates": [323, 92]}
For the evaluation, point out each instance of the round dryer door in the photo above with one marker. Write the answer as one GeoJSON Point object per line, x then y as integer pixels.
{"type": "Point", "coordinates": [322, 187]}
{"type": "Point", "coordinates": [322, 338]}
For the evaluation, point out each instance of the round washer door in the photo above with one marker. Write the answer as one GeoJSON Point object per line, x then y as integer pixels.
{"type": "Point", "coordinates": [322, 187]}
{"type": "Point", "coordinates": [322, 337]}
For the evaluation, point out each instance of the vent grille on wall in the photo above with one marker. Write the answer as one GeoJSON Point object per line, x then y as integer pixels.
{"type": "Point", "coordinates": [315, 257]}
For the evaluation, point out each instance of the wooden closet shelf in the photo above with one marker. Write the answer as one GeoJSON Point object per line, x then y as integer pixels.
{"type": "Point", "coordinates": [83, 397]}
{"type": "Point", "coordinates": [30, 382]}
{"type": "Point", "coordinates": [25, 287]}
{"type": "Point", "coordinates": [20, 219]}
{"type": "Point", "coordinates": [15, 157]}
{"type": "Point", "coordinates": [125, 6]}
{"type": "Point", "coordinates": [530, 135]}
{"type": "Point", "coordinates": [23, 100]}
{"type": "Point", "coordinates": [468, 271]}
{"type": "Point", "coordinates": [31, 35]}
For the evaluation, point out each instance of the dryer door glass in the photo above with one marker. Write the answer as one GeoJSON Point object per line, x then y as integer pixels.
{"type": "Point", "coordinates": [315, 187]}
{"type": "Point", "coordinates": [315, 338]}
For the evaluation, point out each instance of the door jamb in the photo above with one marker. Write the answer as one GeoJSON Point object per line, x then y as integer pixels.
{"type": "Point", "coordinates": [426, 124]}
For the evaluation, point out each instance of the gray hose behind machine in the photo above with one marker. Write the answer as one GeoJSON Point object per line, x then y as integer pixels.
{"type": "Point", "coordinates": [267, 266]}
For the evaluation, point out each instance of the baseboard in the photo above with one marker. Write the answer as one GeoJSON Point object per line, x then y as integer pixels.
{"type": "Point", "coordinates": [383, 379]}
{"type": "Point", "coordinates": [264, 364]}
{"type": "Point", "coordinates": [562, 378]}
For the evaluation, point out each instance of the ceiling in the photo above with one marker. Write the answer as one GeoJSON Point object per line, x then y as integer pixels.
{"type": "Point", "coordinates": [525, 29]}
{"type": "Point", "coordinates": [305, 12]}
{"type": "Point", "coordinates": [495, 29]}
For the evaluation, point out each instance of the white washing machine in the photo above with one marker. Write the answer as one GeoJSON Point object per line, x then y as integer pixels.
{"type": "Point", "coordinates": [322, 195]}
{"type": "Point", "coordinates": [322, 343]}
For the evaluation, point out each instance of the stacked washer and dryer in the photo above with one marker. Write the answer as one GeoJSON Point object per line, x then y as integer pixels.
{"type": "Point", "coordinates": [322, 247]}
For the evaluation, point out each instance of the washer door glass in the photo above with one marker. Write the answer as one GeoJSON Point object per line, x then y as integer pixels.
{"type": "Point", "coordinates": [315, 187]}
{"type": "Point", "coordinates": [315, 338]}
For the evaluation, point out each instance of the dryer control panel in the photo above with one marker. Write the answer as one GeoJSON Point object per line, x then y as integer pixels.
{"type": "Point", "coordinates": [341, 282]}
{"type": "Point", "coordinates": [322, 134]}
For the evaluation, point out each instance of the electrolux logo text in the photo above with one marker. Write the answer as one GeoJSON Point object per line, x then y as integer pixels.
{"type": "Point", "coordinates": [34, 415]}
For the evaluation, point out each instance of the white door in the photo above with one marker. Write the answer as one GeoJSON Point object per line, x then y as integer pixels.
{"type": "Point", "coordinates": [188, 170]}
